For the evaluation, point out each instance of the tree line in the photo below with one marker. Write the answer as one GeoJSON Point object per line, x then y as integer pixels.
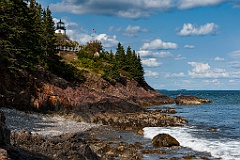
{"type": "Point", "coordinates": [28, 40]}
{"type": "Point", "coordinates": [112, 67]}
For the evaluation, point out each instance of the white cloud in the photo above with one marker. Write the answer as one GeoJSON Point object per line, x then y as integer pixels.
{"type": "Point", "coordinates": [214, 81]}
{"type": "Point", "coordinates": [151, 62]}
{"type": "Point", "coordinates": [132, 31]}
{"type": "Point", "coordinates": [77, 33]}
{"type": "Point", "coordinates": [107, 41]}
{"type": "Point", "coordinates": [190, 29]}
{"type": "Point", "coordinates": [232, 81]}
{"type": "Point", "coordinates": [235, 74]}
{"type": "Point", "coordinates": [145, 53]}
{"type": "Point", "coordinates": [119, 8]}
{"type": "Point", "coordinates": [189, 46]}
{"type": "Point", "coordinates": [158, 44]}
{"type": "Point", "coordinates": [199, 67]}
{"type": "Point", "coordinates": [218, 59]}
{"type": "Point", "coordinates": [203, 70]}
{"type": "Point", "coordinates": [174, 75]}
{"type": "Point", "coordinates": [129, 9]}
{"type": "Point", "coordinates": [162, 54]}
{"type": "Point", "coordinates": [235, 64]}
{"type": "Point", "coordinates": [179, 57]}
{"type": "Point", "coordinates": [235, 54]}
{"type": "Point", "coordinates": [185, 4]}
{"type": "Point", "coordinates": [186, 81]}
{"type": "Point", "coordinates": [149, 73]}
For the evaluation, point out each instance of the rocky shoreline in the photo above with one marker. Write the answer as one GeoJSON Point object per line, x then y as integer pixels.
{"type": "Point", "coordinates": [94, 101]}
{"type": "Point", "coordinates": [73, 140]}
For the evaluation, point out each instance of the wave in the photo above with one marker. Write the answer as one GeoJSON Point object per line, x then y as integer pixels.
{"type": "Point", "coordinates": [227, 149]}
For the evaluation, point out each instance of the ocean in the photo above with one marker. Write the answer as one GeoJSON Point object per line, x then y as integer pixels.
{"type": "Point", "coordinates": [213, 128]}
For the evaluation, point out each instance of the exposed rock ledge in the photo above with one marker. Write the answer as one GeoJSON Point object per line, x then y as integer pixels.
{"type": "Point", "coordinates": [190, 100]}
{"type": "Point", "coordinates": [58, 138]}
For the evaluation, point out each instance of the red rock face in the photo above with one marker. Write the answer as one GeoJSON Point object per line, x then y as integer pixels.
{"type": "Point", "coordinates": [45, 91]}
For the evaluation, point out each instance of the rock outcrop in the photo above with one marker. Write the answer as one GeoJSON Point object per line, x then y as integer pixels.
{"type": "Point", "coordinates": [139, 120]}
{"type": "Point", "coordinates": [68, 146]}
{"type": "Point", "coordinates": [190, 100]}
{"type": "Point", "coordinates": [43, 91]}
{"type": "Point", "coordinates": [164, 140]}
{"type": "Point", "coordinates": [94, 100]}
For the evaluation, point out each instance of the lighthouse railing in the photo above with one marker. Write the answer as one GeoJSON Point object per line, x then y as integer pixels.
{"type": "Point", "coordinates": [67, 48]}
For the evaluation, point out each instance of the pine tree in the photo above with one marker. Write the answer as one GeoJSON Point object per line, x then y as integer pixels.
{"type": "Point", "coordinates": [14, 36]}
{"type": "Point", "coordinates": [120, 56]}
{"type": "Point", "coordinates": [48, 33]}
{"type": "Point", "coordinates": [139, 76]}
{"type": "Point", "coordinates": [128, 59]}
{"type": "Point", "coordinates": [5, 31]}
{"type": "Point", "coordinates": [136, 67]}
{"type": "Point", "coordinates": [35, 32]}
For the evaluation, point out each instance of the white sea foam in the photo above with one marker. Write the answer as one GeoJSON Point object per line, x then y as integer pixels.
{"type": "Point", "coordinates": [227, 150]}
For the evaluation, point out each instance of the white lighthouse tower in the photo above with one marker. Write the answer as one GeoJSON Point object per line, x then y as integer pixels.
{"type": "Point", "coordinates": [60, 27]}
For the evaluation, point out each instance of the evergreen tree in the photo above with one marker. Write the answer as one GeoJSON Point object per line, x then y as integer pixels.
{"type": "Point", "coordinates": [48, 33]}
{"type": "Point", "coordinates": [139, 76]}
{"type": "Point", "coordinates": [5, 31]}
{"type": "Point", "coordinates": [35, 32]}
{"type": "Point", "coordinates": [136, 67]}
{"type": "Point", "coordinates": [15, 35]}
{"type": "Point", "coordinates": [128, 59]}
{"type": "Point", "coordinates": [120, 56]}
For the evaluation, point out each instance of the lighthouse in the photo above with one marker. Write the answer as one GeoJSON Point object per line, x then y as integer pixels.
{"type": "Point", "coordinates": [60, 27]}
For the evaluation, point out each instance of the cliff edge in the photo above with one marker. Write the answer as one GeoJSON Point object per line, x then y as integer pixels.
{"type": "Point", "coordinates": [43, 91]}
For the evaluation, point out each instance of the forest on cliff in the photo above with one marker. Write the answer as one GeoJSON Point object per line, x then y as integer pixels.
{"type": "Point", "coordinates": [28, 40]}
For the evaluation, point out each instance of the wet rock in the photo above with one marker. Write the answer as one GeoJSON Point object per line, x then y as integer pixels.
{"type": "Point", "coordinates": [68, 146]}
{"type": "Point", "coordinates": [213, 129]}
{"type": "Point", "coordinates": [170, 110]}
{"type": "Point", "coordinates": [116, 150]}
{"type": "Point", "coordinates": [190, 100]}
{"type": "Point", "coordinates": [4, 131]}
{"type": "Point", "coordinates": [3, 154]}
{"type": "Point", "coordinates": [164, 140]}
{"type": "Point", "coordinates": [134, 121]}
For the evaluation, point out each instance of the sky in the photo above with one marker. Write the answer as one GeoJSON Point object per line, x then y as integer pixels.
{"type": "Point", "coordinates": [183, 44]}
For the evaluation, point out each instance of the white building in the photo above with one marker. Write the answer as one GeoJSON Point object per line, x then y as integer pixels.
{"type": "Point", "coordinates": [60, 27]}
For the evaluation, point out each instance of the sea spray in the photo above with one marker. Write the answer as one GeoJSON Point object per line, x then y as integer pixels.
{"type": "Point", "coordinates": [224, 148]}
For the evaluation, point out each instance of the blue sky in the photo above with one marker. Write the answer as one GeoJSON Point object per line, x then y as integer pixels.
{"type": "Point", "coordinates": [183, 44]}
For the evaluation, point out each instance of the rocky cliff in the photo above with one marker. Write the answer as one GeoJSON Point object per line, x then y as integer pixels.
{"type": "Point", "coordinates": [42, 91]}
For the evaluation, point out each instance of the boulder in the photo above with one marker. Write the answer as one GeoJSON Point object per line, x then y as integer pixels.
{"type": "Point", "coordinates": [190, 100]}
{"type": "Point", "coordinates": [164, 140]}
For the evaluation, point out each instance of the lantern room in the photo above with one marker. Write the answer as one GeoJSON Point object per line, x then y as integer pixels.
{"type": "Point", "coordinates": [60, 27]}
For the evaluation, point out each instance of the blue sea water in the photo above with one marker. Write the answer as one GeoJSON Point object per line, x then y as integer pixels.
{"type": "Point", "coordinates": [223, 114]}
